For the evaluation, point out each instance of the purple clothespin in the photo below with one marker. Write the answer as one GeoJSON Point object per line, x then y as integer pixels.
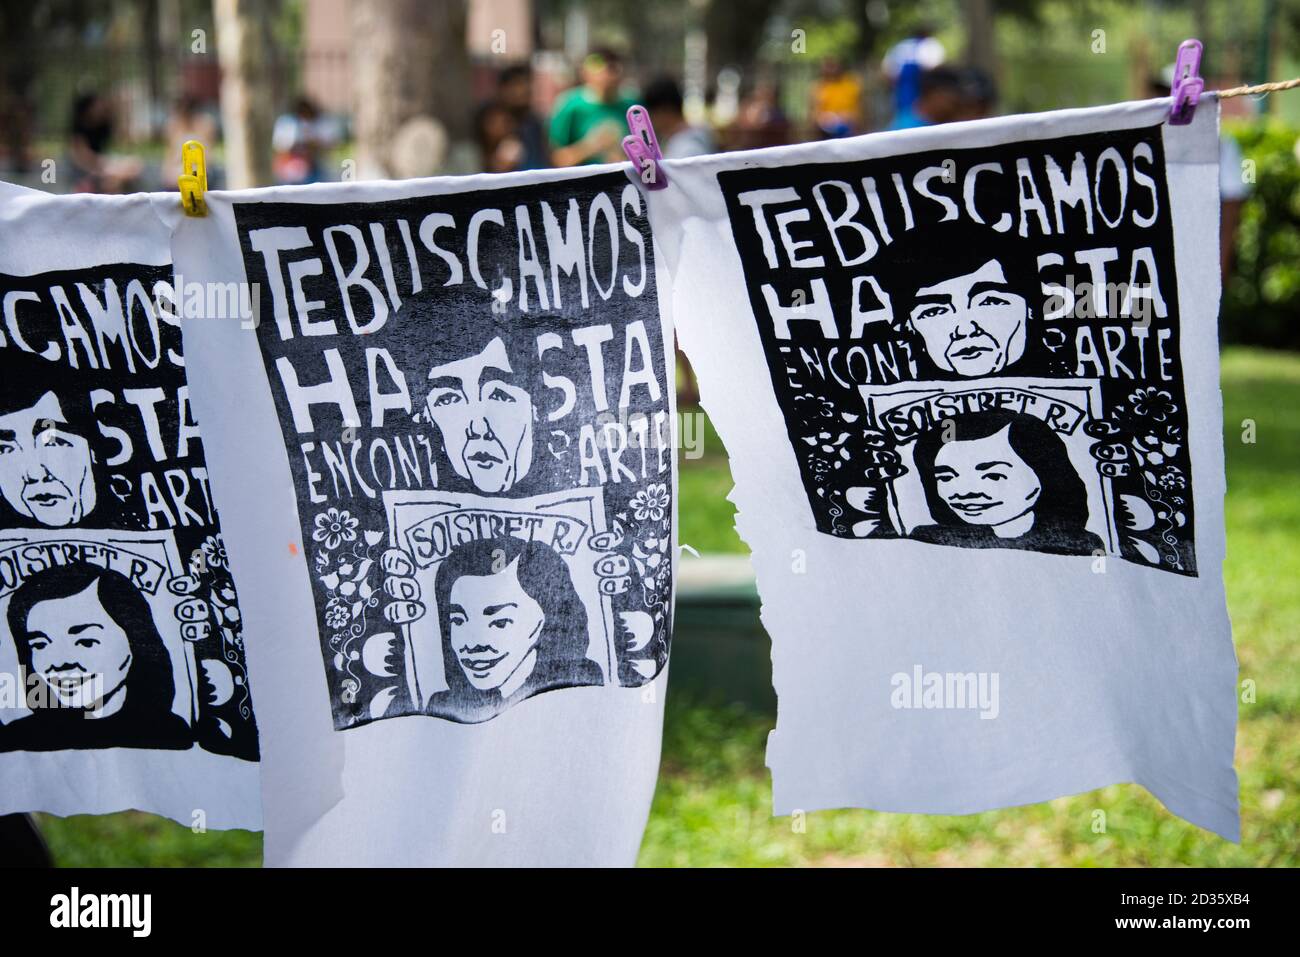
{"type": "Point", "coordinates": [642, 148]}
{"type": "Point", "coordinates": [1188, 84]}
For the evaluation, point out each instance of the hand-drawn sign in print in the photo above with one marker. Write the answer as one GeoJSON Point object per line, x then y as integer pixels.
{"type": "Point", "coordinates": [979, 347]}
{"type": "Point", "coordinates": [118, 615]}
{"type": "Point", "coordinates": [473, 393]}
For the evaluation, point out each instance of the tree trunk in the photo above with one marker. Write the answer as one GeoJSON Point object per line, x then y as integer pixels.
{"type": "Point", "coordinates": [735, 30]}
{"type": "Point", "coordinates": [20, 63]}
{"type": "Point", "coordinates": [981, 50]}
{"type": "Point", "coordinates": [244, 52]}
{"type": "Point", "coordinates": [149, 22]}
{"type": "Point", "coordinates": [411, 75]}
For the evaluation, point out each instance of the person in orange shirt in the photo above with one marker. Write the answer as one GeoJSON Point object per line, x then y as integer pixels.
{"type": "Point", "coordinates": [836, 101]}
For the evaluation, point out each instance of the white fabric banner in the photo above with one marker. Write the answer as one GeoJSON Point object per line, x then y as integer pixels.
{"type": "Point", "coordinates": [123, 682]}
{"type": "Point", "coordinates": [441, 417]}
{"type": "Point", "coordinates": [967, 377]}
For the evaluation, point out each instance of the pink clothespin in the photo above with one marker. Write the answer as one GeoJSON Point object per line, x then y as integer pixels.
{"type": "Point", "coordinates": [1188, 84]}
{"type": "Point", "coordinates": [642, 148]}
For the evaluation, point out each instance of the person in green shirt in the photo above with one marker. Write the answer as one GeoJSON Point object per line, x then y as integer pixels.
{"type": "Point", "coordinates": [590, 120]}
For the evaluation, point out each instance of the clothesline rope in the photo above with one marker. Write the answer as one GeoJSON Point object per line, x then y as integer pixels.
{"type": "Point", "coordinates": [1277, 87]}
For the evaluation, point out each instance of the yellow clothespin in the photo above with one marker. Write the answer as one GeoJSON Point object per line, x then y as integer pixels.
{"type": "Point", "coordinates": [193, 180]}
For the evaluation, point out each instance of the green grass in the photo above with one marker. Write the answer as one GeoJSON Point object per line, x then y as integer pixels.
{"type": "Point", "coordinates": [133, 839]}
{"type": "Point", "coordinates": [713, 802]}
{"type": "Point", "coordinates": [706, 520]}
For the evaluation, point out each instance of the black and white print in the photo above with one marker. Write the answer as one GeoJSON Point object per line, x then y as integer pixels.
{"type": "Point", "coordinates": [473, 393]}
{"type": "Point", "coordinates": [119, 623]}
{"type": "Point", "coordinates": [979, 347]}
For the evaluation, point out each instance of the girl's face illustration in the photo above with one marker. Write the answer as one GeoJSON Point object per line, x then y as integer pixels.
{"type": "Point", "coordinates": [495, 627]}
{"type": "Point", "coordinates": [984, 481]}
{"type": "Point", "coordinates": [78, 650]}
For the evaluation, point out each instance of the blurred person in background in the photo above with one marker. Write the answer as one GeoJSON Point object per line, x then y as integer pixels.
{"type": "Point", "coordinates": [760, 121]}
{"type": "Point", "coordinates": [836, 107]}
{"type": "Point", "coordinates": [515, 94]}
{"type": "Point", "coordinates": [15, 140]}
{"type": "Point", "coordinates": [903, 66]}
{"type": "Point", "coordinates": [1233, 188]}
{"type": "Point", "coordinates": [663, 100]}
{"type": "Point", "coordinates": [187, 121]}
{"type": "Point", "coordinates": [590, 120]}
{"type": "Point", "coordinates": [499, 148]}
{"type": "Point", "coordinates": [941, 97]}
{"type": "Point", "coordinates": [94, 169]}
{"type": "Point", "coordinates": [299, 141]}
{"type": "Point", "coordinates": [978, 92]}
{"type": "Point", "coordinates": [510, 135]}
